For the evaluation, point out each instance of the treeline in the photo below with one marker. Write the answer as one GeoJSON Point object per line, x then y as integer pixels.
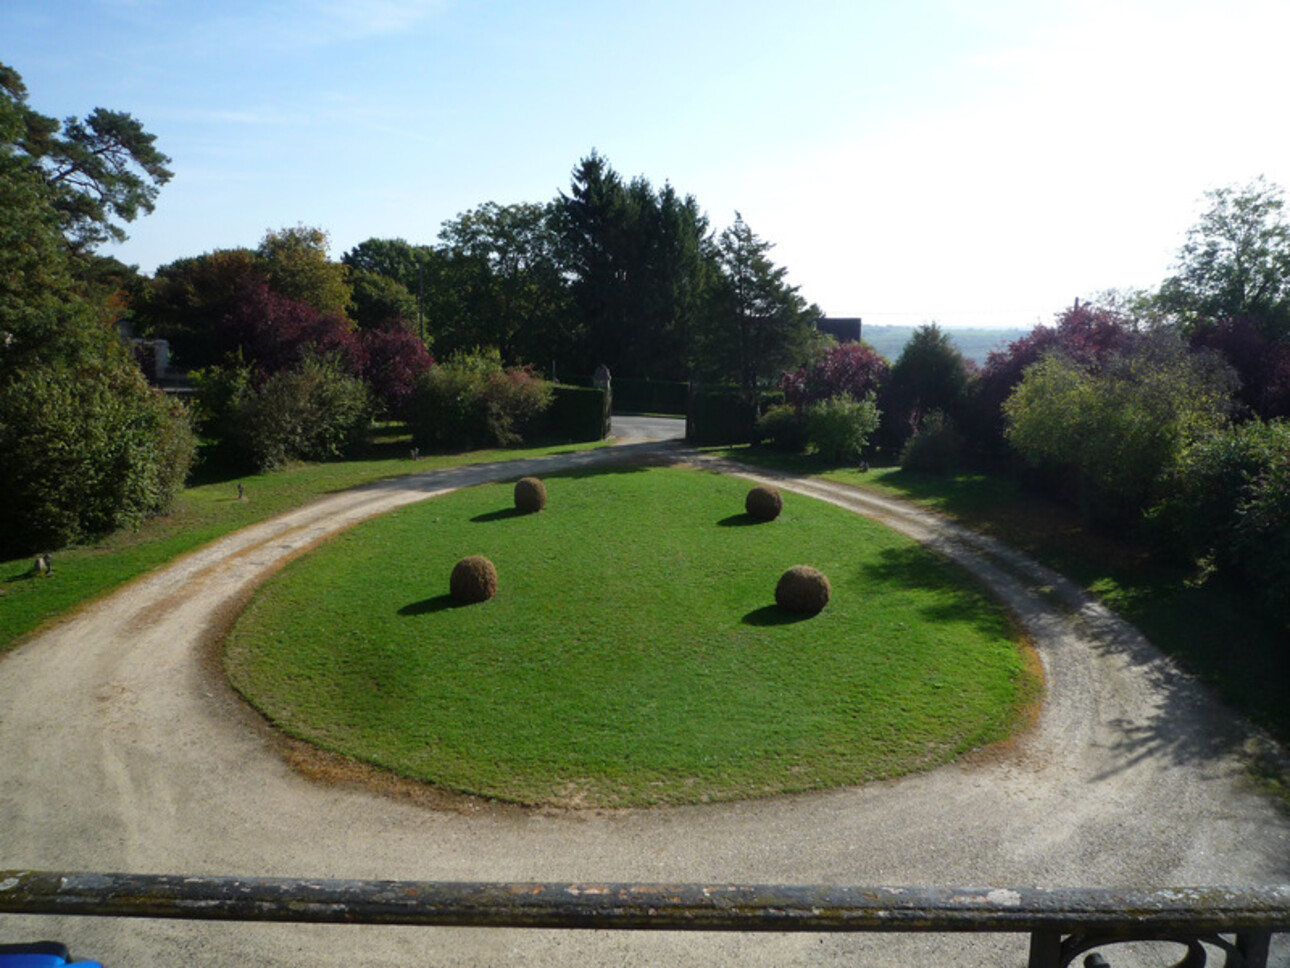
{"type": "Point", "coordinates": [1161, 413]}
{"type": "Point", "coordinates": [1161, 410]}
{"type": "Point", "coordinates": [294, 354]}
{"type": "Point", "coordinates": [614, 272]}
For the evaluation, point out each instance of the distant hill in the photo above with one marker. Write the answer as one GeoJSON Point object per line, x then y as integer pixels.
{"type": "Point", "coordinates": [972, 341]}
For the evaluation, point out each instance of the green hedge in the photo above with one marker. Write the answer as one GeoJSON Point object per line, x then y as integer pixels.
{"type": "Point", "coordinates": [724, 416]}
{"type": "Point", "coordinates": [577, 414]}
{"type": "Point", "coordinates": [650, 396]}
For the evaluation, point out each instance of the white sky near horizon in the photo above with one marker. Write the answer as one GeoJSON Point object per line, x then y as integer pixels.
{"type": "Point", "coordinates": [972, 163]}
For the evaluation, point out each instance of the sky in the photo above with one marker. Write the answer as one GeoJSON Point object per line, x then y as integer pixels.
{"type": "Point", "coordinates": [974, 163]}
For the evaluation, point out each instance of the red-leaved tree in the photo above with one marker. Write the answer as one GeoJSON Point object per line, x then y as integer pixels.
{"type": "Point", "coordinates": [395, 358]}
{"type": "Point", "coordinates": [849, 369]}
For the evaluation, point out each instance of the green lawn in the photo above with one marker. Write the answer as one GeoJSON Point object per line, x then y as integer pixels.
{"type": "Point", "coordinates": [201, 514]}
{"type": "Point", "coordinates": [1215, 630]}
{"type": "Point", "coordinates": [633, 654]}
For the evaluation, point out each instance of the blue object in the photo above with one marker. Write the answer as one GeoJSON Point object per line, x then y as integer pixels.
{"type": "Point", "coordinates": [39, 954]}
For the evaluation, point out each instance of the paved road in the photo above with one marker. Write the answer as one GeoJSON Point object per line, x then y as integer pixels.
{"type": "Point", "coordinates": [121, 748]}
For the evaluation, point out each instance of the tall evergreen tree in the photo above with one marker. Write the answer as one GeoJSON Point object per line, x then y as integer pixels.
{"type": "Point", "coordinates": [757, 324]}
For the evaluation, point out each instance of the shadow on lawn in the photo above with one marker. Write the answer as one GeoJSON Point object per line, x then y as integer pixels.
{"type": "Point", "coordinates": [955, 596]}
{"type": "Point", "coordinates": [427, 606]}
{"type": "Point", "coordinates": [740, 521]}
{"type": "Point", "coordinates": [769, 615]}
{"type": "Point", "coordinates": [501, 514]}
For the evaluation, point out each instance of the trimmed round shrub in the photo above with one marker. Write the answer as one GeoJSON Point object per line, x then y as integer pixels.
{"type": "Point", "coordinates": [802, 589]}
{"type": "Point", "coordinates": [764, 503]}
{"type": "Point", "coordinates": [474, 579]}
{"type": "Point", "coordinates": [530, 495]}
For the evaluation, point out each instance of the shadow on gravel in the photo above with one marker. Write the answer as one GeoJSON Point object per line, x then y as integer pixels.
{"type": "Point", "coordinates": [1187, 725]}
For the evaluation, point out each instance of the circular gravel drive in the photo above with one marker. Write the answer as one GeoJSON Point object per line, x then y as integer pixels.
{"type": "Point", "coordinates": [121, 749]}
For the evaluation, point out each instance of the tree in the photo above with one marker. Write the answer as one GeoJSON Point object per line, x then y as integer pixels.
{"type": "Point", "coordinates": [104, 168]}
{"type": "Point", "coordinates": [1112, 430]}
{"type": "Point", "coordinates": [297, 267]}
{"type": "Point", "coordinates": [381, 302]}
{"type": "Point", "coordinates": [929, 375]}
{"type": "Point", "coordinates": [1262, 364]}
{"type": "Point", "coordinates": [593, 224]}
{"type": "Point", "coordinates": [1236, 261]}
{"type": "Point", "coordinates": [1084, 333]}
{"type": "Point", "coordinates": [640, 263]}
{"type": "Point", "coordinates": [508, 258]}
{"type": "Point", "coordinates": [757, 324]}
{"type": "Point", "coordinates": [855, 370]}
{"type": "Point", "coordinates": [86, 445]}
{"type": "Point", "coordinates": [420, 269]}
{"type": "Point", "coordinates": [188, 301]}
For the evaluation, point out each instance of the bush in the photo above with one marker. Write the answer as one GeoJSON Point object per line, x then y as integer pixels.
{"type": "Point", "coordinates": [838, 428]}
{"type": "Point", "coordinates": [935, 448]}
{"type": "Point", "coordinates": [802, 589]}
{"type": "Point", "coordinates": [473, 579]}
{"type": "Point", "coordinates": [784, 427]}
{"type": "Point", "coordinates": [1228, 507]}
{"type": "Point", "coordinates": [1116, 429]}
{"type": "Point", "coordinates": [530, 495]}
{"type": "Point", "coordinates": [86, 450]}
{"type": "Point", "coordinates": [764, 502]}
{"type": "Point", "coordinates": [470, 401]}
{"type": "Point", "coordinates": [315, 411]}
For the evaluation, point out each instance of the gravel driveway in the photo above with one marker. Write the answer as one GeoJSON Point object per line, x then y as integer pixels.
{"type": "Point", "coordinates": [121, 749]}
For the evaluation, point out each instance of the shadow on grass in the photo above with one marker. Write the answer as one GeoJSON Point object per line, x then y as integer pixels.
{"type": "Point", "coordinates": [740, 521]}
{"type": "Point", "coordinates": [428, 606]}
{"type": "Point", "coordinates": [769, 615]}
{"type": "Point", "coordinates": [501, 514]}
{"type": "Point", "coordinates": [958, 597]}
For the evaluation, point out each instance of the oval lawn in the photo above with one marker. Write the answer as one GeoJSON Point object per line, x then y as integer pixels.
{"type": "Point", "coordinates": [633, 653]}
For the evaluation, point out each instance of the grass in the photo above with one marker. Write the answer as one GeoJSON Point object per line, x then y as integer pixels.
{"type": "Point", "coordinates": [1213, 629]}
{"type": "Point", "coordinates": [201, 514]}
{"type": "Point", "coordinates": [633, 654]}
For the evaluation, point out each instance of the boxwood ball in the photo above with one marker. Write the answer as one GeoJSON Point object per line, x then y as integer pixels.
{"type": "Point", "coordinates": [530, 495]}
{"type": "Point", "coordinates": [474, 579]}
{"type": "Point", "coordinates": [764, 502]}
{"type": "Point", "coordinates": [802, 589]}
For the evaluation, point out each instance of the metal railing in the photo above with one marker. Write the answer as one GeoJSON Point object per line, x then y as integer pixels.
{"type": "Point", "coordinates": [1063, 924]}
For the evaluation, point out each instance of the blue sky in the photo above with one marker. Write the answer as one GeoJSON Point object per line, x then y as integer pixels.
{"type": "Point", "coordinates": [973, 163]}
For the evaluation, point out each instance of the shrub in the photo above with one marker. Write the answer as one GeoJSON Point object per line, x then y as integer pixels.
{"type": "Point", "coordinates": [802, 589]}
{"type": "Point", "coordinates": [512, 399]}
{"type": "Point", "coordinates": [764, 502]}
{"type": "Point", "coordinates": [838, 428]}
{"type": "Point", "coordinates": [86, 450]}
{"type": "Point", "coordinates": [470, 401]}
{"type": "Point", "coordinates": [1228, 507]}
{"type": "Point", "coordinates": [1117, 428]}
{"type": "Point", "coordinates": [935, 448]}
{"type": "Point", "coordinates": [474, 579]}
{"type": "Point", "coordinates": [314, 411]}
{"type": "Point", "coordinates": [530, 495]}
{"type": "Point", "coordinates": [784, 427]}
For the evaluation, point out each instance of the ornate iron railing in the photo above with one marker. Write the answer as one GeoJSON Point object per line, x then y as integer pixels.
{"type": "Point", "coordinates": [1063, 924]}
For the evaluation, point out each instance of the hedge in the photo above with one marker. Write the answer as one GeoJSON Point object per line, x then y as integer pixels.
{"type": "Point", "coordinates": [577, 414]}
